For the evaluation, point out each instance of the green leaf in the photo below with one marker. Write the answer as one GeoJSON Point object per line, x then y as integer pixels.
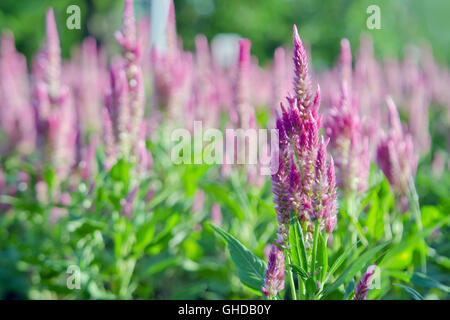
{"type": "Point", "coordinates": [322, 256]}
{"type": "Point", "coordinates": [422, 280]}
{"type": "Point", "coordinates": [356, 266]}
{"type": "Point", "coordinates": [250, 268]}
{"type": "Point", "coordinates": [339, 261]}
{"type": "Point", "coordinates": [409, 243]}
{"type": "Point", "coordinates": [144, 236]}
{"type": "Point", "coordinates": [120, 171]}
{"type": "Point", "coordinates": [84, 226]}
{"type": "Point", "coordinates": [413, 293]}
{"type": "Point", "coordinates": [300, 271]}
{"type": "Point", "coordinates": [298, 250]}
{"type": "Point", "coordinates": [314, 250]}
{"type": "Point", "coordinates": [49, 176]}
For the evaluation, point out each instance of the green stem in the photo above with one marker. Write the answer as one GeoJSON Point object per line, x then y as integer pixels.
{"type": "Point", "coordinates": [415, 207]}
{"type": "Point", "coordinates": [291, 280]}
{"type": "Point", "coordinates": [314, 252]}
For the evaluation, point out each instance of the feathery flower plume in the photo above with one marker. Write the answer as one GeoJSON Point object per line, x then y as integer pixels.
{"type": "Point", "coordinates": [363, 286]}
{"type": "Point", "coordinates": [92, 86]}
{"type": "Point", "coordinates": [53, 56]}
{"type": "Point", "coordinates": [54, 105]}
{"type": "Point", "coordinates": [117, 107]}
{"type": "Point", "coordinates": [367, 85]}
{"type": "Point", "coordinates": [274, 281]}
{"type": "Point", "coordinates": [343, 127]}
{"type": "Point", "coordinates": [16, 114]}
{"type": "Point", "coordinates": [419, 118]}
{"type": "Point", "coordinates": [395, 154]}
{"type": "Point", "coordinates": [345, 63]}
{"type": "Point", "coordinates": [280, 186]}
{"type": "Point", "coordinates": [242, 110]}
{"type": "Point", "coordinates": [305, 181]}
{"type": "Point", "coordinates": [302, 80]}
{"type": "Point", "coordinates": [131, 47]}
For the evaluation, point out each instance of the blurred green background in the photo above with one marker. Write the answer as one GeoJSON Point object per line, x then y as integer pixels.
{"type": "Point", "coordinates": [268, 23]}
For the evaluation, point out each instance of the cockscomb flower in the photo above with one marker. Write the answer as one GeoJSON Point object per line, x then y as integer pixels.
{"type": "Point", "coordinates": [117, 106]}
{"type": "Point", "coordinates": [16, 116]}
{"type": "Point", "coordinates": [54, 104]}
{"type": "Point", "coordinates": [274, 280]}
{"type": "Point", "coordinates": [302, 81]}
{"type": "Point", "coordinates": [242, 110]}
{"type": "Point", "coordinates": [305, 181]}
{"type": "Point", "coordinates": [418, 118]}
{"type": "Point", "coordinates": [344, 128]}
{"type": "Point", "coordinates": [92, 86]}
{"type": "Point", "coordinates": [131, 47]}
{"type": "Point", "coordinates": [395, 154]}
{"type": "Point", "coordinates": [53, 56]}
{"type": "Point", "coordinates": [362, 288]}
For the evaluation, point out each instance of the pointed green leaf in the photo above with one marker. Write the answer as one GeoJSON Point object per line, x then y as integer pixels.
{"type": "Point", "coordinates": [250, 268]}
{"type": "Point", "coordinates": [339, 261]}
{"type": "Point", "coordinates": [356, 266]}
{"type": "Point", "coordinates": [422, 280]}
{"type": "Point", "coordinates": [322, 257]}
{"type": "Point", "coordinates": [413, 293]}
{"type": "Point", "coordinates": [300, 271]}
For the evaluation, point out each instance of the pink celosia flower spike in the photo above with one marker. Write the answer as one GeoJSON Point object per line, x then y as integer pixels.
{"type": "Point", "coordinates": [280, 185]}
{"type": "Point", "coordinates": [305, 180]}
{"type": "Point", "coordinates": [16, 116]}
{"type": "Point", "coordinates": [243, 111]}
{"type": "Point", "coordinates": [53, 55]}
{"type": "Point", "coordinates": [136, 98]}
{"type": "Point", "coordinates": [127, 37]}
{"type": "Point", "coordinates": [345, 63]}
{"type": "Point", "coordinates": [54, 105]}
{"type": "Point", "coordinates": [395, 154]}
{"type": "Point", "coordinates": [274, 281]}
{"type": "Point", "coordinates": [344, 128]}
{"type": "Point", "coordinates": [302, 81]}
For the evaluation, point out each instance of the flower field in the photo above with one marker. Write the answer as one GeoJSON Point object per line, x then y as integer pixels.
{"type": "Point", "coordinates": [116, 179]}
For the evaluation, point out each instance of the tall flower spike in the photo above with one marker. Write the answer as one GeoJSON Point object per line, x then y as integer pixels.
{"type": "Point", "coordinates": [310, 192]}
{"type": "Point", "coordinates": [127, 36]}
{"type": "Point", "coordinates": [54, 105]}
{"type": "Point", "coordinates": [345, 63]}
{"type": "Point", "coordinates": [53, 56]}
{"type": "Point", "coordinates": [302, 81]}
{"type": "Point", "coordinates": [274, 281]}
{"type": "Point", "coordinates": [280, 186]}
{"type": "Point", "coordinates": [131, 53]}
{"type": "Point", "coordinates": [242, 85]}
{"type": "Point", "coordinates": [16, 116]}
{"type": "Point", "coordinates": [344, 128]}
{"type": "Point", "coordinates": [395, 154]}
{"type": "Point", "coordinates": [363, 286]}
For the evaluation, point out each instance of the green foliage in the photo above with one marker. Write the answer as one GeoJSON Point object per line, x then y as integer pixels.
{"type": "Point", "coordinates": [250, 268]}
